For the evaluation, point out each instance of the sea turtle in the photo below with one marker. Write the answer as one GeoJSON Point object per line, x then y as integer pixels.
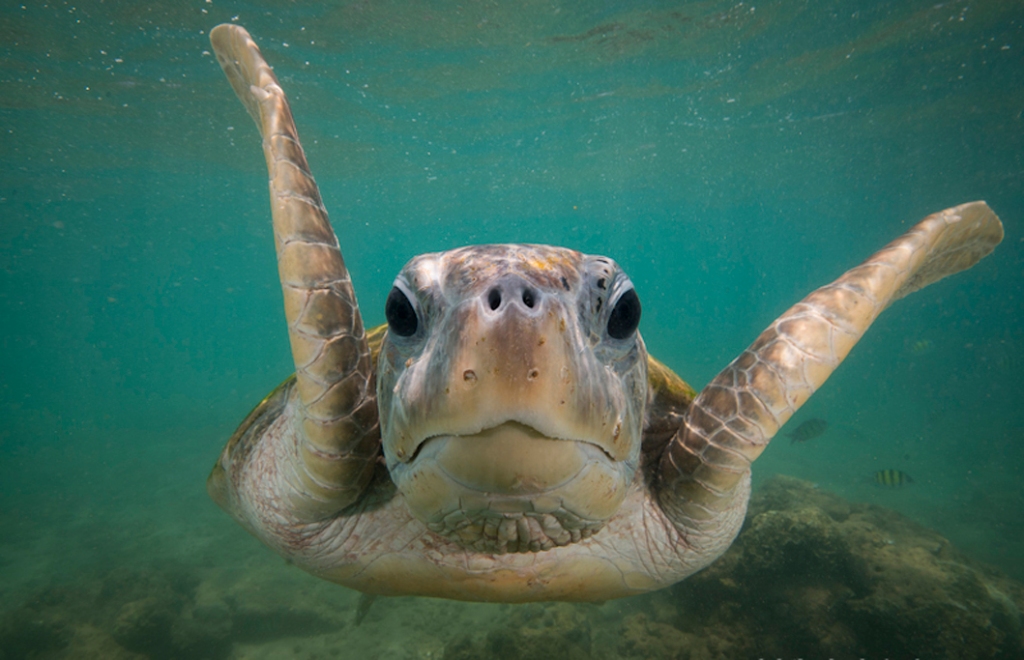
{"type": "Point", "coordinates": [506, 436]}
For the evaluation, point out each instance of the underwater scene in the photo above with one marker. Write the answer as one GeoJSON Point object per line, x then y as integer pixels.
{"type": "Point", "coordinates": [731, 157]}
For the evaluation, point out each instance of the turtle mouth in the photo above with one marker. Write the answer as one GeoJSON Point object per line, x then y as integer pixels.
{"type": "Point", "coordinates": [512, 432]}
{"type": "Point", "coordinates": [511, 488]}
{"type": "Point", "coordinates": [510, 458]}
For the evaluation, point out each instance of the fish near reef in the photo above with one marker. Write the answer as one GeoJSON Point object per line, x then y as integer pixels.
{"type": "Point", "coordinates": [809, 430]}
{"type": "Point", "coordinates": [892, 478]}
{"type": "Point", "coordinates": [506, 436]}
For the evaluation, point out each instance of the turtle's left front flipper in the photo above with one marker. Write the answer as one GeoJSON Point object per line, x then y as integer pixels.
{"type": "Point", "coordinates": [705, 470]}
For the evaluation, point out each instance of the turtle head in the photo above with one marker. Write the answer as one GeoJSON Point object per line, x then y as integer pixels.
{"type": "Point", "coordinates": [511, 387]}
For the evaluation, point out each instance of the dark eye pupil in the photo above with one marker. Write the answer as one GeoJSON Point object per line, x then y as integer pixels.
{"type": "Point", "coordinates": [625, 316]}
{"type": "Point", "coordinates": [400, 314]}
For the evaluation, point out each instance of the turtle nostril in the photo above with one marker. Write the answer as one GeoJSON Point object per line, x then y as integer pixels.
{"type": "Point", "coordinates": [494, 298]}
{"type": "Point", "coordinates": [528, 298]}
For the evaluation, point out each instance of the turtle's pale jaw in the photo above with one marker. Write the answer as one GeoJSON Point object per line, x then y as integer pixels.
{"type": "Point", "coordinates": [510, 458]}
{"type": "Point", "coordinates": [512, 489]}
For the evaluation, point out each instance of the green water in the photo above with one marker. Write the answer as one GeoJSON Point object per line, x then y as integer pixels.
{"type": "Point", "coordinates": [731, 156]}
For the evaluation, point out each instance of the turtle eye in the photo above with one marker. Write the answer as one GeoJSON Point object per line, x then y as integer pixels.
{"type": "Point", "coordinates": [400, 314]}
{"type": "Point", "coordinates": [625, 316]}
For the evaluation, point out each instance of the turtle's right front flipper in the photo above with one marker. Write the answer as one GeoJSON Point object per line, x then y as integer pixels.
{"type": "Point", "coordinates": [327, 447]}
{"type": "Point", "coordinates": [705, 470]}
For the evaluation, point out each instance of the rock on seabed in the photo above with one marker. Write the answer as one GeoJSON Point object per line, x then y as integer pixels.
{"type": "Point", "coordinates": [812, 575]}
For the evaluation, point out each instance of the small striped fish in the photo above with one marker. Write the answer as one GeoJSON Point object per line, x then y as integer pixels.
{"type": "Point", "coordinates": [892, 478]}
{"type": "Point", "coordinates": [809, 430]}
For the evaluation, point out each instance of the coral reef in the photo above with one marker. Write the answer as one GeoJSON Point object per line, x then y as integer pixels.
{"type": "Point", "coordinates": [811, 575]}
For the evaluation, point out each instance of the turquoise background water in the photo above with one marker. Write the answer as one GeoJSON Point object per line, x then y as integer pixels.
{"type": "Point", "coordinates": [731, 156]}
